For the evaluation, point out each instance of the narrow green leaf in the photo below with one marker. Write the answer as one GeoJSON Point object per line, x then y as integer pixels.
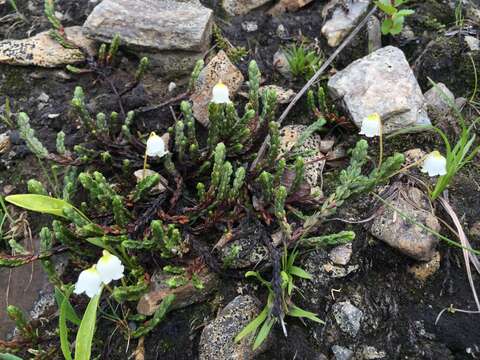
{"type": "Point", "coordinates": [63, 329]}
{"type": "Point", "coordinates": [83, 343]}
{"type": "Point", "coordinates": [295, 311]}
{"type": "Point", "coordinates": [39, 203]}
{"type": "Point", "coordinates": [405, 12]}
{"type": "Point", "coordinates": [9, 357]}
{"type": "Point", "coordinates": [71, 314]}
{"type": "Point", "coordinates": [253, 325]}
{"type": "Point", "coordinates": [299, 272]}
{"type": "Point", "coordinates": [263, 333]}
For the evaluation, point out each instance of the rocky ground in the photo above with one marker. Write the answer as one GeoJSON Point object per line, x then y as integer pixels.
{"type": "Point", "coordinates": [381, 295]}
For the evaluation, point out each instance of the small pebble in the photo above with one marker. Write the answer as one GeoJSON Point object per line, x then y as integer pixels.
{"type": "Point", "coordinates": [249, 26]}
{"type": "Point", "coordinates": [172, 86]}
{"type": "Point", "coordinates": [282, 32]}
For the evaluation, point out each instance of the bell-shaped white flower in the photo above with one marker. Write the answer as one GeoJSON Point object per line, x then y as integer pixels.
{"type": "Point", "coordinates": [155, 146]}
{"type": "Point", "coordinates": [109, 267]}
{"type": "Point", "coordinates": [371, 125]}
{"type": "Point", "coordinates": [89, 282]}
{"type": "Point", "coordinates": [220, 93]}
{"type": "Point", "coordinates": [435, 164]}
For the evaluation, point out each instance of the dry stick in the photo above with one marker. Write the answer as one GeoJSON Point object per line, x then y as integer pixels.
{"type": "Point", "coordinates": [310, 82]}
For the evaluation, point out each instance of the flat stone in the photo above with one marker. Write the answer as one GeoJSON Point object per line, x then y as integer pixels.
{"type": "Point", "coordinates": [185, 295]}
{"type": "Point", "coordinates": [381, 82]}
{"type": "Point", "coordinates": [242, 7]}
{"type": "Point", "coordinates": [217, 339]}
{"type": "Point", "coordinates": [342, 22]}
{"type": "Point", "coordinates": [403, 235]}
{"type": "Point", "coordinates": [42, 50]}
{"type": "Point", "coordinates": [219, 68]}
{"type": "Point", "coordinates": [348, 317]}
{"type": "Point", "coordinates": [150, 25]}
{"type": "Point", "coordinates": [439, 99]}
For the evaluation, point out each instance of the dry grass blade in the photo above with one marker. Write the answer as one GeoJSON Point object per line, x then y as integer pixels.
{"type": "Point", "coordinates": [467, 255]}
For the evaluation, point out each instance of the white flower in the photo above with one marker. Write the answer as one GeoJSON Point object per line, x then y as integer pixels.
{"type": "Point", "coordinates": [435, 164]}
{"type": "Point", "coordinates": [155, 146]}
{"type": "Point", "coordinates": [220, 93]}
{"type": "Point", "coordinates": [109, 267]}
{"type": "Point", "coordinates": [89, 282]}
{"type": "Point", "coordinates": [371, 125]}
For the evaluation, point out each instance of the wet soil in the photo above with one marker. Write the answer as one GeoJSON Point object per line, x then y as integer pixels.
{"type": "Point", "coordinates": [400, 312]}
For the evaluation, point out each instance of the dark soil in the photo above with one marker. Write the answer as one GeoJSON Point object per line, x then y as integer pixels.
{"type": "Point", "coordinates": [400, 312]}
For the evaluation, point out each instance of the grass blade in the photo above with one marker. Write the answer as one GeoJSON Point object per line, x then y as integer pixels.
{"type": "Point", "coordinates": [83, 343]}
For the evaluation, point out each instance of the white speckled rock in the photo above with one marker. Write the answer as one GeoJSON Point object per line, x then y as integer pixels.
{"type": "Point", "coordinates": [342, 22]}
{"type": "Point", "coordinates": [381, 82]}
{"type": "Point", "coordinates": [217, 340]}
{"type": "Point", "coordinates": [219, 68]}
{"type": "Point", "coordinates": [42, 50]}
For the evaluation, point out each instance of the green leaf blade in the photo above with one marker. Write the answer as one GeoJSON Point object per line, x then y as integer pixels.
{"type": "Point", "coordinates": [83, 343]}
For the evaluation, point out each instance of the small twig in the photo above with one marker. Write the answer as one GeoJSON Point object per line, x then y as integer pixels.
{"type": "Point", "coordinates": [310, 82]}
{"type": "Point", "coordinates": [179, 97]}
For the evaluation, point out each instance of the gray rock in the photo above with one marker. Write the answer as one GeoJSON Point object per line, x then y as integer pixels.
{"type": "Point", "coordinates": [342, 22]}
{"type": "Point", "coordinates": [341, 254]}
{"type": "Point", "coordinates": [348, 317]}
{"type": "Point", "coordinates": [280, 63]}
{"type": "Point", "coordinates": [472, 42]}
{"type": "Point", "coordinates": [152, 26]}
{"type": "Point", "coordinates": [217, 339]}
{"type": "Point", "coordinates": [381, 82]}
{"type": "Point", "coordinates": [241, 7]}
{"type": "Point", "coordinates": [403, 235]}
{"type": "Point", "coordinates": [342, 353]}
{"type": "Point", "coordinates": [219, 68]}
{"type": "Point", "coordinates": [439, 98]}
{"type": "Point", "coordinates": [42, 50]}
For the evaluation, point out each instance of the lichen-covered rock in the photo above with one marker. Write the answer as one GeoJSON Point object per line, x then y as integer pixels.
{"type": "Point", "coordinates": [348, 317]}
{"type": "Point", "coordinates": [246, 247]}
{"type": "Point", "coordinates": [43, 50]}
{"type": "Point", "coordinates": [219, 68]}
{"type": "Point", "coordinates": [280, 63]}
{"type": "Point", "coordinates": [315, 162]}
{"type": "Point", "coordinates": [152, 26]}
{"type": "Point", "coordinates": [381, 82]}
{"type": "Point", "coordinates": [217, 339]}
{"type": "Point", "coordinates": [403, 235]}
{"type": "Point", "coordinates": [241, 7]}
{"type": "Point", "coordinates": [343, 20]}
